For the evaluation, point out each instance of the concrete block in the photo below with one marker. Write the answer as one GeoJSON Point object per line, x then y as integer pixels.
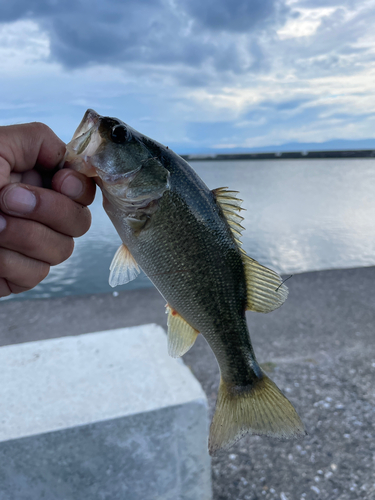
{"type": "Point", "coordinates": [101, 416]}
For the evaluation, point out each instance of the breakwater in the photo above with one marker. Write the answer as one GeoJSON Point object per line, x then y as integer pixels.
{"type": "Point", "coordinates": [283, 155]}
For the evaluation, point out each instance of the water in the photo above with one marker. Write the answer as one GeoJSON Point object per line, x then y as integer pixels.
{"type": "Point", "coordinates": [301, 215]}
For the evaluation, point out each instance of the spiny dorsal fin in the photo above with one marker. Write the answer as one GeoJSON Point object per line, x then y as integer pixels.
{"type": "Point", "coordinates": [265, 291]}
{"type": "Point", "coordinates": [123, 267]}
{"type": "Point", "coordinates": [230, 206]}
{"type": "Point", "coordinates": [181, 336]}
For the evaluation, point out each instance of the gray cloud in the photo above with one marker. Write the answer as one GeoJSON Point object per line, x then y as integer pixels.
{"type": "Point", "coordinates": [313, 4]}
{"type": "Point", "coordinates": [19, 9]}
{"type": "Point", "coordinates": [195, 42]}
{"type": "Point", "coordinates": [152, 32]}
{"type": "Point", "coordinates": [238, 16]}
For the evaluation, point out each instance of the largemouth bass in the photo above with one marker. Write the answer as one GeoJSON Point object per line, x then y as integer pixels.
{"type": "Point", "coordinates": [186, 238]}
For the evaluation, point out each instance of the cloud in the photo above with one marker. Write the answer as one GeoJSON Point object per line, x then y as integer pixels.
{"type": "Point", "coordinates": [290, 104]}
{"type": "Point", "coordinates": [24, 9]}
{"type": "Point", "coordinates": [211, 38]}
{"type": "Point", "coordinates": [191, 33]}
{"type": "Point", "coordinates": [195, 43]}
{"type": "Point", "coordinates": [15, 54]}
{"type": "Point", "coordinates": [327, 3]}
{"type": "Point", "coordinates": [251, 72]}
{"type": "Point", "coordinates": [240, 16]}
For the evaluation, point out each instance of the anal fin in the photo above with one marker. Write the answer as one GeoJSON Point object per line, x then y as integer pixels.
{"type": "Point", "coordinates": [181, 336]}
{"type": "Point", "coordinates": [123, 267]}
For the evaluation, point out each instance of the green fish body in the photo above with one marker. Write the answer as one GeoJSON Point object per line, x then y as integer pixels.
{"type": "Point", "coordinates": [186, 239]}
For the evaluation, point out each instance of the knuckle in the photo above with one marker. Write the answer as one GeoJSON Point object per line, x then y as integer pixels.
{"type": "Point", "coordinates": [39, 273]}
{"type": "Point", "coordinates": [32, 237]}
{"type": "Point", "coordinates": [4, 262]}
{"type": "Point", "coordinates": [83, 221]}
{"type": "Point", "coordinates": [40, 128]}
{"type": "Point", "coordinates": [16, 289]}
{"type": "Point", "coordinates": [69, 249]}
{"type": "Point", "coordinates": [20, 271]}
{"type": "Point", "coordinates": [38, 242]}
{"type": "Point", "coordinates": [63, 251]}
{"type": "Point", "coordinates": [30, 279]}
{"type": "Point", "coordinates": [4, 288]}
{"type": "Point", "coordinates": [36, 238]}
{"type": "Point", "coordinates": [43, 271]}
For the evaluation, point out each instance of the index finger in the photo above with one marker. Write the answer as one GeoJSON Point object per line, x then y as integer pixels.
{"type": "Point", "coordinates": [26, 145]}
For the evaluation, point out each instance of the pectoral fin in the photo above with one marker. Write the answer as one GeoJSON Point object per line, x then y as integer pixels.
{"type": "Point", "coordinates": [123, 267]}
{"type": "Point", "coordinates": [181, 336]}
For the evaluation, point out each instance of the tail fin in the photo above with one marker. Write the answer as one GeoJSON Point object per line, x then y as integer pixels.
{"type": "Point", "coordinates": [258, 409]}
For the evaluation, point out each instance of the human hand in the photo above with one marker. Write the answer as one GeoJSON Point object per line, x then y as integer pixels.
{"type": "Point", "coordinates": [37, 225]}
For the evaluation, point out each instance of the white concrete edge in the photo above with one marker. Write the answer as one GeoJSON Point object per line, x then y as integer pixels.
{"type": "Point", "coordinates": [62, 383]}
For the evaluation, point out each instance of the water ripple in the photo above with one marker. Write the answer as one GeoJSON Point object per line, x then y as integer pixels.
{"type": "Point", "coordinates": [302, 215]}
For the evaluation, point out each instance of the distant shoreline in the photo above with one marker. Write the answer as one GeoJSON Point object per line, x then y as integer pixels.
{"type": "Point", "coordinates": [283, 155]}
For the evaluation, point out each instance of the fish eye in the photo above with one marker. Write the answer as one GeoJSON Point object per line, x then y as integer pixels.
{"type": "Point", "coordinates": [119, 134]}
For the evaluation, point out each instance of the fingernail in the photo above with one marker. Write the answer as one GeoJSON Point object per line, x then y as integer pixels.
{"type": "Point", "coordinates": [3, 223]}
{"type": "Point", "coordinates": [72, 187]}
{"type": "Point", "coordinates": [19, 200]}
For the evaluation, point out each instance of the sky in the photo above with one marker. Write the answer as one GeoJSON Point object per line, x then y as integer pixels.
{"type": "Point", "coordinates": [197, 75]}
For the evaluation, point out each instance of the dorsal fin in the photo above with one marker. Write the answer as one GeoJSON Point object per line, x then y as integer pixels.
{"type": "Point", "coordinates": [123, 267]}
{"type": "Point", "coordinates": [231, 206]}
{"type": "Point", "coordinates": [181, 336]}
{"type": "Point", "coordinates": [265, 291]}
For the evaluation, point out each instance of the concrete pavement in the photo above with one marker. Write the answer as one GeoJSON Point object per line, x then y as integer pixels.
{"type": "Point", "coordinates": [318, 347]}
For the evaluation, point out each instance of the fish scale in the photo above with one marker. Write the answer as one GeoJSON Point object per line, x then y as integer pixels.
{"type": "Point", "coordinates": [186, 239]}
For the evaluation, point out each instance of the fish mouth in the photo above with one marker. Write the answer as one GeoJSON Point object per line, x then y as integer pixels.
{"type": "Point", "coordinates": [84, 144]}
{"type": "Point", "coordinates": [80, 152]}
{"type": "Point", "coordinates": [89, 120]}
{"type": "Point", "coordinates": [81, 139]}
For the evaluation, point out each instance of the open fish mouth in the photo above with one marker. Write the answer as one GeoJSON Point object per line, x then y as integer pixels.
{"type": "Point", "coordinates": [80, 153]}
{"type": "Point", "coordinates": [83, 136]}
{"type": "Point", "coordinates": [89, 120]}
{"type": "Point", "coordinates": [84, 144]}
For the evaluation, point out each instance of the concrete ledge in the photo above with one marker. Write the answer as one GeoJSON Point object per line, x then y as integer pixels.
{"type": "Point", "coordinates": [101, 416]}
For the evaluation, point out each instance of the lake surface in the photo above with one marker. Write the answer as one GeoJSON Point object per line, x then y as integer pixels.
{"type": "Point", "coordinates": [301, 215]}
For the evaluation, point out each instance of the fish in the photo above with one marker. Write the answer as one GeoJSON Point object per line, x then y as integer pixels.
{"type": "Point", "coordinates": [187, 240]}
